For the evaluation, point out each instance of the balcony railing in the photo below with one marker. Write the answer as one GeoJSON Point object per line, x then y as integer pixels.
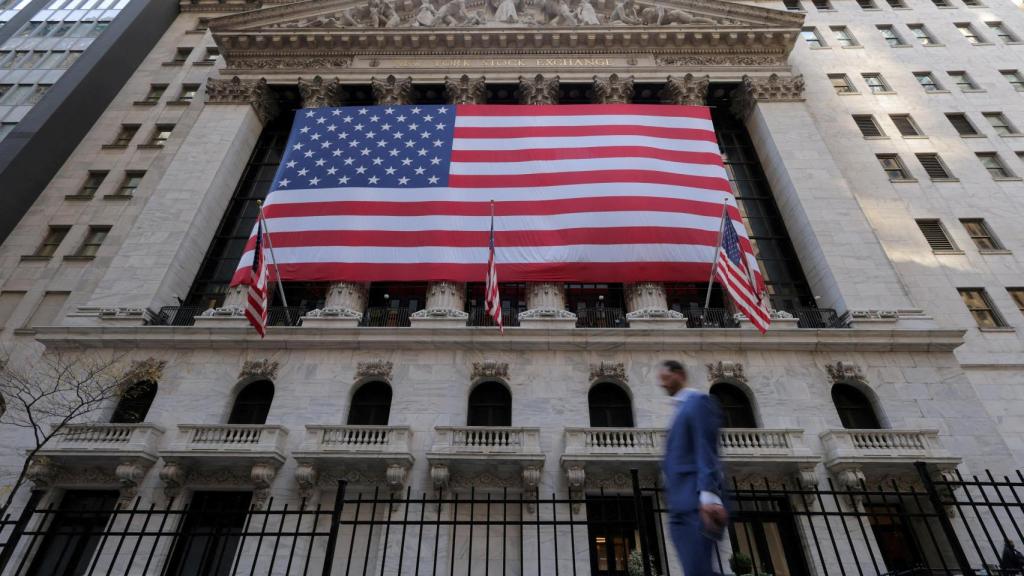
{"type": "Point", "coordinates": [601, 318]}
{"type": "Point", "coordinates": [819, 318]}
{"type": "Point", "coordinates": [381, 317]}
{"type": "Point", "coordinates": [228, 438]}
{"type": "Point", "coordinates": [121, 438]}
{"type": "Point", "coordinates": [875, 445]}
{"type": "Point", "coordinates": [347, 439]}
{"type": "Point", "coordinates": [186, 315]}
{"type": "Point", "coordinates": [480, 440]}
{"type": "Point", "coordinates": [649, 443]}
{"type": "Point", "coordinates": [479, 317]}
{"type": "Point", "coordinates": [709, 318]}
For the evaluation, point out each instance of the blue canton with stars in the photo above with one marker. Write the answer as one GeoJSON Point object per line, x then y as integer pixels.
{"type": "Point", "coordinates": [731, 242]}
{"type": "Point", "coordinates": [399, 146]}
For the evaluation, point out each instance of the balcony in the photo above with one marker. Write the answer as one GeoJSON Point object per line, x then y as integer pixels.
{"type": "Point", "coordinates": [219, 444]}
{"type": "Point", "coordinates": [816, 318]}
{"type": "Point", "coordinates": [369, 450]}
{"type": "Point", "coordinates": [381, 317]}
{"type": "Point", "coordinates": [99, 444]}
{"type": "Point", "coordinates": [186, 315]}
{"type": "Point", "coordinates": [884, 450]}
{"type": "Point", "coordinates": [479, 317]}
{"type": "Point", "coordinates": [601, 318]}
{"type": "Point", "coordinates": [709, 318]}
{"type": "Point", "coordinates": [495, 450]}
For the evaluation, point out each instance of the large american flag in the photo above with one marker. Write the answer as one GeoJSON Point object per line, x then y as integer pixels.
{"type": "Point", "coordinates": [585, 193]}
{"type": "Point", "coordinates": [256, 293]}
{"type": "Point", "coordinates": [492, 298]}
{"type": "Point", "coordinates": [734, 275]}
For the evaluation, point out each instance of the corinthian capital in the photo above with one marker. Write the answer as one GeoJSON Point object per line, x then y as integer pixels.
{"type": "Point", "coordinates": [392, 90]}
{"type": "Point", "coordinates": [466, 90]}
{"type": "Point", "coordinates": [614, 90]}
{"type": "Point", "coordinates": [538, 90]}
{"type": "Point", "coordinates": [686, 91]}
{"type": "Point", "coordinates": [237, 91]}
{"type": "Point", "coordinates": [320, 93]}
{"type": "Point", "coordinates": [774, 88]}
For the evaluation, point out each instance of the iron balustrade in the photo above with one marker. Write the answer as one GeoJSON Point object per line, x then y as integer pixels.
{"type": "Point", "coordinates": [601, 318]}
{"type": "Point", "coordinates": [709, 318]}
{"type": "Point", "coordinates": [478, 316]}
{"type": "Point", "coordinates": [819, 318]}
{"type": "Point", "coordinates": [186, 315]}
{"type": "Point", "coordinates": [385, 317]}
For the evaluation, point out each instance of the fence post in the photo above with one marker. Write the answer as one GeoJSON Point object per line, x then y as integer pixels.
{"type": "Point", "coordinates": [638, 504]}
{"type": "Point", "coordinates": [947, 526]}
{"type": "Point", "coordinates": [332, 536]}
{"type": "Point", "coordinates": [19, 528]}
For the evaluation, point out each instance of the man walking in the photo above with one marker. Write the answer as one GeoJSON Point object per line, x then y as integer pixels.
{"type": "Point", "coordinates": [693, 477]}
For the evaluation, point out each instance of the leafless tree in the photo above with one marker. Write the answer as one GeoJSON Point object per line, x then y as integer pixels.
{"type": "Point", "coordinates": [43, 393]}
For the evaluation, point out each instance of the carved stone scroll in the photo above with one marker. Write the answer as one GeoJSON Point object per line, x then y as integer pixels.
{"type": "Point", "coordinates": [774, 88]}
{"type": "Point", "coordinates": [466, 90]}
{"type": "Point", "coordinates": [237, 91]}
{"type": "Point", "coordinates": [841, 372]}
{"type": "Point", "coordinates": [320, 93]}
{"type": "Point", "coordinates": [392, 90]}
{"type": "Point", "coordinates": [614, 90]}
{"type": "Point", "coordinates": [689, 90]}
{"type": "Point", "coordinates": [538, 90]}
{"type": "Point", "coordinates": [609, 371]}
{"type": "Point", "coordinates": [489, 370]}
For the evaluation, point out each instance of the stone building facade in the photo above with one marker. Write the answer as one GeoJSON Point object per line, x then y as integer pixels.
{"type": "Point", "coordinates": [874, 147]}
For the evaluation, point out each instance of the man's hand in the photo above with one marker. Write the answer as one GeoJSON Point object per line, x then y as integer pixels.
{"type": "Point", "coordinates": [714, 517]}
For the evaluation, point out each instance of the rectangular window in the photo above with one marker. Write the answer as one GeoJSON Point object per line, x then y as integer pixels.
{"type": "Point", "coordinates": [52, 60]}
{"type": "Point", "coordinates": [876, 84]}
{"type": "Point", "coordinates": [933, 166]}
{"type": "Point", "coordinates": [130, 183]}
{"type": "Point", "coordinates": [29, 59]}
{"type": "Point", "coordinates": [969, 33]}
{"type": "Point", "coordinates": [54, 236]}
{"type": "Point", "coordinates": [897, 4]}
{"type": "Point", "coordinates": [125, 135]}
{"type": "Point", "coordinates": [973, 3]}
{"type": "Point", "coordinates": [211, 55]}
{"type": "Point", "coordinates": [47, 312]}
{"type": "Point", "coordinates": [981, 234]}
{"type": "Point", "coordinates": [63, 29]}
{"type": "Point", "coordinates": [1002, 32]}
{"type": "Point", "coordinates": [962, 80]}
{"type": "Point", "coordinates": [793, 5]}
{"type": "Point", "coordinates": [97, 29]}
{"type": "Point", "coordinates": [941, 3]}
{"type": "Point", "coordinates": [18, 95]}
{"type": "Point", "coordinates": [936, 236]}
{"type": "Point", "coordinates": [75, 532]}
{"type": "Point", "coordinates": [210, 534]}
{"type": "Point", "coordinates": [155, 92]}
{"type": "Point", "coordinates": [160, 134]}
{"type": "Point", "coordinates": [92, 242]}
{"type": "Point", "coordinates": [927, 81]}
{"type": "Point", "coordinates": [1014, 78]}
{"type": "Point", "coordinates": [181, 55]}
{"type": "Point", "coordinates": [980, 306]}
{"type": "Point", "coordinates": [202, 25]}
{"type": "Point", "coordinates": [843, 36]}
{"type": "Point", "coordinates": [867, 125]}
{"type": "Point", "coordinates": [71, 58]}
{"type": "Point", "coordinates": [82, 29]}
{"type": "Point", "coordinates": [999, 122]}
{"type": "Point", "coordinates": [905, 124]}
{"type": "Point", "coordinates": [811, 36]}
{"type": "Point", "coordinates": [1017, 294]}
{"type": "Point", "coordinates": [891, 37]}
{"type": "Point", "coordinates": [922, 34]}
{"type": "Point", "coordinates": [842, 84]}
{"type": "Point", "coordinates": [8, 304]}
{"type": "Point", "coordinates": [92, 183]}
{"type": "Point", "coordinates": [994, 164]}
{"type": "Point", "coordinates": [867, 4]}
{"type": "Point", "coordinates": [893, 167]}
{"type": "Point", "coordinates": [188, 92]}
{"type": "Point", "coordinates": [822, 4]}
{"type": "Point", "coordinates": [962, 124]}
{"type": "Point", "coordinates": [7, 59]}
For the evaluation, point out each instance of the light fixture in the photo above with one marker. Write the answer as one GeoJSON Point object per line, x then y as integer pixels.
{"type": "Point", "coordinates": [387, 296]}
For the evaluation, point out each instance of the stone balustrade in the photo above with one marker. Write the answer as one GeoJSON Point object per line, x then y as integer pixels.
{"type": "Point", "coordinates": [231, 438]}
{"type": "Point", "coordinates": [649, 443]}
{"type": "Point", "coordinates": [874, 445]}
{"type": "Point", "coordinates": [482, 440]}
{"type": "Point", "coordinates": [358, 439]}
{"type": "Point", "coordinates": [122, 438]}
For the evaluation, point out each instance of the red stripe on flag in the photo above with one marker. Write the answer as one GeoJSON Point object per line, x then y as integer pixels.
{"type": "Point", "coordinates": [535, 154]}
{"type": "Point", "coordinates": [503, 132]}
{"type": "Point", "coordinates": [589, 177]}
{"type": "Point", "coordinates": [701, 112]}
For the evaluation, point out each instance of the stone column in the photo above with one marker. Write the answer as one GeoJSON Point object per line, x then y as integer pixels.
{"type": "Point", "coordinates": [545, 301]}
{"type": "Point", "coordinates": [815, 199]}
{"type": "Point", "coordinates": [688, 90]}
{"type": "Point", "coordinates": [392, 90]}
{"type": "Point", "coordinates": [183, 208]}
{"type": "Point", "coordinates": [466, 90]}
{"type": "Point", "coordinates": [614, 90]}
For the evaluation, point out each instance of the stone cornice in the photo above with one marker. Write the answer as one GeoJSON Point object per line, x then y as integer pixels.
{"type": "Point", "coordinates": [219, 5]}
{"type": "Point", "coordinates": [302, 338]}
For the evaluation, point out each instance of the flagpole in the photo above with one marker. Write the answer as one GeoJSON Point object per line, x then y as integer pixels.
{"type": "Point", "coordinates": [270, 247]}
{"type": "Point", "coordinates": [718, 248]}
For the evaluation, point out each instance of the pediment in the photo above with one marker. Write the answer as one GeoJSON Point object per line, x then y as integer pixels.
{"type": "Point", "coordinates": [319, 16]}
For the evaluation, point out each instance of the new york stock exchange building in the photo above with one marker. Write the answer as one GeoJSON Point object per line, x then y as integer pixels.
{"type": "Point", "coordinates": [388, 427]}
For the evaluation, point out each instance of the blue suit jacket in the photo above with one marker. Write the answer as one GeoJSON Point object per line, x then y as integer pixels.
{"type": "Point", "coordinates": [691, 453]}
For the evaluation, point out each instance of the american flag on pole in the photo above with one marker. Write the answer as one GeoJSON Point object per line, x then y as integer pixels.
{"type": "Point", "coordinates": [589, 193]}
{"type": "Point", "coordinates": [256, 295]}
{"type": "Point", "coordinates": [492, 300]}
{"type": "Point", "coordinates": [734, 275]}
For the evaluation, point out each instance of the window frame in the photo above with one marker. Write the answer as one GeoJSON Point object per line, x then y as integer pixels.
{"type": "Point", "coordinates": [92, 242]}
{"type": "Point", "coordinates": [156, 138]}
{"type": "Point", "coordinates": [1003, 32]}
{"type": "Point", "coordinates": [884, 86]}
{"type": "Point", "coordinates": [1017, 81]}
{"type": "Point", "coordinates": [848, 86]}
{"type": "Point", "coordinates": [910, 122]}
{"type": "Point", "coordinates": [844, 37]}
{"type": "Point", "coordinates": [50, 244]}
{"type": "Point", "coordinates": [970, 33]}
{"type": "Point", "coordinates": [948, 174]}
{"type": "Point", "coordinates": [904, 173]}
{"type": "Point", "coordinates": [817, 41]}
{"type": "Point", "coordinates": [1005, 173]}
{"type": "Point", "coordinates": [894, 41]}
{"type": "Point", "coordinates": [967, 84]}
{"type": "Point", "coordinates": [1017, 295]}
{"type": "Point", "coordinates": [981, 234]}
{"type": "Point", "coordinates": [874, 122]}
{"type": "Point", "coordinates": [936, 87]}
{"type": "Point", "coordinates": [998, 322]}
{"type": "Point", "coordinates": [974, 133]}
{"type": "Point", "coordinates": [124, 136]}
{"type": "Point", "coordinates": [941, 228]}
{"type": "Point", "coordinates": [1004, 127]}
{"type": "Point", "coordinates": [87, 190]}
{"type": "Point", "coordinates": [123, 186]}
{"type": "Point", "coordinates": [922, 34]}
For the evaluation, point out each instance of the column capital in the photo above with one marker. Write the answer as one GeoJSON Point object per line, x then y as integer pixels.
{"type": "Point", "coordinates": [689, 90]}
{"type": "Point", "coordinates": [466, 90]}
{"type": "Point", "coordinates": [538, 90]}
{"type": "Point", "coordinates": [392, 90]}
{"type": "Point", "coordinates": [256, 93]}
{"type": "Point", "coordinates": [614, 90]}
{"type": "Point", "coordinates": [320, 93]}
{"type": "Point", "coordinates": [774, 88]}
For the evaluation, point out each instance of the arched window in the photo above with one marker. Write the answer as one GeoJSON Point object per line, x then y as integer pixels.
{"type": "Point", "coordinates": [371, 405]}
{"type": "Point", "coordinates": [253, 403]}
{"type": "Point", "coordinates": [134, 404]}
{"type": "Point", "coordinates": [736, 409]}
{"type": "Point", "coordinates": [610, 406]}
{"type": "Point", "coordinates": [855, 409]}
{"type": "Point", "coordinates": [490, 404]}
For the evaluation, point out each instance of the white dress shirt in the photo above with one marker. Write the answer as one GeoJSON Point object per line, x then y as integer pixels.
{"type": "Point", "coordinates": [679, 398]}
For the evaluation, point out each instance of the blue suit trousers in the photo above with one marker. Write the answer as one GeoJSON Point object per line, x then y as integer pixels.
{"type": "Point", "coordinates": [695, 548]}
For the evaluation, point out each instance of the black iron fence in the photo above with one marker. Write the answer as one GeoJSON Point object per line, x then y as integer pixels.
{"type": "Point", "coordinates": [917, 524]}
{"type": "Point", "coordinates": [601, 318]}
{"type": "Point", "coordinates": [478, 316]}
{"type": "Point", "coordinates": [385, 317]}
{"type": "Point", "coordinates": [709, 318]}
{"type": "Point", "coordinates": [186, 315]}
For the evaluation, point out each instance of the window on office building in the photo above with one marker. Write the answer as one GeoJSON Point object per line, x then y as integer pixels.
{"type": "Point", "coordinates": [893, 167]}
{"type": "Point", "coordinates": [92, 183]}
{"type": "Point", "coordinates": [156, 91]}
{"type": "Point", "coordinates": [211, 55]}
{"type": "Point", "coordinates": [48, 310]}
{"type": "Point", "coordinates": [188, 92]}
{"type": "Point", "coordinates": [869, 128]}
{"type": "Point", "coordinates": [994, 164]}
{"type": "Point", "coordinates": [962, 124]}
{"type": "Point", "coordinates": [927, 81]}
{"type": "Point", "coordinates": [8, 304]}
{"type": "Point", "coordinates": [125, 135]}
{"type": "Point", "coordinates": [981, 234]}
{"type": "Point", "coordinates": [981, 307]}
{"type": "Point", "coordinates": [891, 37]}
{"type": "Point", "coordinates": [812, 37]}
{"type": "Point", "coordinates": [181, 55]}
{"type": "Point", "coordinates": [130, 183]}
{"type": "Point", "coordinates": [54, 236]}
{"type": "Point", "coordinates": [942, 3]}
{"type": "Point", "coordinates": [1000, 123]}
{"type": "Point", "coordinates": [160, 134]}
{"type": "Point", "coordinates": [1002, 32]}
{"type": "Point", "coordinates": [963, 80]}
{"type": "Point", "coordinates": [793, 5]}
{"type": "Point", "coordinates": [822, 4]}
{"type": "Point", "coordinates": [876, 84]}
{"type": "Point", "coordinates": [842, 84]}
{"type": "Point", "coordinates": [905, 124]}
{"type": "Point", "coordinates": [92, 241]}
{"type": "Point", "coordinates": [1017, 295]}
{"type": "Point", "coordinates": [897, 4]}
{"type": "Point", "coordinates": [1015, 79]}
{"type": "Point", "coordinates": [70, 58]}
{"type": "Point", "coordinates": [920, 31]}
{"type": "Point", "coordinates": [934, 166]}
{"type": "Point", "coordinates": [969, 33]}
{"type": "Point", "coordinates": [844, 37]}
{"type": "Point", "coordinates": [936, 235]}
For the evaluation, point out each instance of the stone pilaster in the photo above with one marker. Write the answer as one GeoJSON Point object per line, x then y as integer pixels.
{"type": "Point", "coordinates": [538, 90]}
{"type": "Point", "coordinates": [688, 90]}
{"type": "Point", "coordinates": [343, 306]}
{"type": "Point", "coordinates": [647, 307]}
{"type": "Point", "coordinates": [320, 93]}
{"type": "Point", "coordinates": [256, 93]}
{"type": "Point", "coordinates": [392, 90]}
{"type": "Point", "coordinates": [545, 303]}
{"type": "Point", "coordinates": [446, 302]}
{"type": "Point", "coordinates": [614, 90]}
{"type": "Point", "coordinates": [466, 90]}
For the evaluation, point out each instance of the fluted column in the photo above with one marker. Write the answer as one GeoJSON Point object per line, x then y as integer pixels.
{"type": "Point", "coordinates": [345, 301]}
{"type": "Point", "coordinates": [545, 301]}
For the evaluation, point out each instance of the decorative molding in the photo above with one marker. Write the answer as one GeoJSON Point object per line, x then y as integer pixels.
{"type": "Point", "coordinates": [259, 369]}
{"type": "Point", "coordinates": [732, 60]}
{"type": "Point", "coordinates": [466, 90]}
{"type": "Point", "coordinates": [41, 472]}
{"type": "Point", "coordinates": [376, 370]}
{"type": "Point", "coordinates": [538, 90]}
{"type": "Point", "coordinates": [780, 315]}
{"type": "Point", "coordinates": [334, 312]}
{"type": "Point", "coordinates": [396, 475]}
{"type": "Point", "coordinates": [686, 91]}
{"type": "Point", "coordinates": [172, 475]}
{"type": "Point", "coordinates": [122, 313]}
{"type": "Point", "coordinates": [547, 313]}
{"type": "Point", "coordinates": [655, 314]}
{"type": "Point", "coordinates": [875, 314]}
{"type": "Point", "coordinates": [719, 371]}
{"type": "Point", "coordinates": [440, 476]}
{"type": "Point", "coordinates": [489, 369]}
{"type": "Point", "coordinates": [262, 476]}
{"type": "Point", "coordinates": [320, 93]}
{"type": "Point", "coordinates": [392, 90]}
{"type": "Point", "coordinates": [256, 93]}
{"type": "Point", "coordinates": [840, 372]}
{"type": "Point", "coordinates": [609, 371]}
{"type": "Point", "coordinates": [253, 62]}
{"type": "Point", "coordinates": [436, 313]}
{"type": "Point", "coordinates": [614, 90]}
{"type": "Point", "coordinates": [774, 88]}
{"type": "Point", "coordinates": [308, 478]}
{"type": "Point", "coordinates": [149, 369]}
{"type": "Point", "coordinates": [129, 476]}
